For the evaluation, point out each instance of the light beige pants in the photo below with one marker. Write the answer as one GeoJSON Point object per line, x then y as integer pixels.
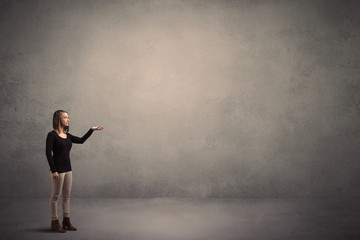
{"type": "Point", "coordinates": [62, 185]}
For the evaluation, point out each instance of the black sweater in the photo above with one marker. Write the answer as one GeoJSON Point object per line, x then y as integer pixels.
{"type": "Point", "coordinates": [60, 160]}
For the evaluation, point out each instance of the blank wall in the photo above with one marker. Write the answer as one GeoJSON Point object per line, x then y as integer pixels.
{"type": "Point", "coordinates": [198, 98]}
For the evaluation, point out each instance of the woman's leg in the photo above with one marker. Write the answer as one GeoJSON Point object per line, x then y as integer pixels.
{"type": "Point", "coordinates": [66, 202]}
{"type": "Point", "coordinates": [57, 186]}
{"type": "Point", "coordinates": [66, 194]}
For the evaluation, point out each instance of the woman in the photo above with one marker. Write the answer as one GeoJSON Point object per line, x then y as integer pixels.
{"type": "Point", "coordinates": [59, 141]}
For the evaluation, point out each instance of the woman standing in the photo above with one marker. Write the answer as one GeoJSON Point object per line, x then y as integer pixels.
{"type": "Point", "coordinates": [59, 141]}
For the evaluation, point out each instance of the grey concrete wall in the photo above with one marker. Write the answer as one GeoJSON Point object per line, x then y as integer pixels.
{"type": "Point", "coordinates": [198, 98]}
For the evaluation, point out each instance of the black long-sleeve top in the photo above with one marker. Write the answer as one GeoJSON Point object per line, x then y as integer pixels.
{"type": "Point", "coordinates": [60, 160]}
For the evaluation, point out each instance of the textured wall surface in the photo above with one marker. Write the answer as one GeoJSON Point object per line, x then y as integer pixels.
{"type": "Point", "coordinates": [198, 98]}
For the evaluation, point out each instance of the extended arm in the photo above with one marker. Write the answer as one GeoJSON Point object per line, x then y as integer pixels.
{"type": "Point", "coordinates": [76, 139]}
{"type": "Point", "coordinates": [49, 147]}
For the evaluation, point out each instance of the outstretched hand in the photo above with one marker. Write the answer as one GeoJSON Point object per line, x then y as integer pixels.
{"type": "Point", "coordinates": [97, 128]}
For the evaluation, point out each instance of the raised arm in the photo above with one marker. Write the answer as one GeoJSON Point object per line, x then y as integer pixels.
{"type": "Point", "coordinates": [49, 147]}
{"type": "Point", "coordinates": [81, 140]}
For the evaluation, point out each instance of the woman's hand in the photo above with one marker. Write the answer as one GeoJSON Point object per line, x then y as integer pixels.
{"type": "Point", "coordinates": [97, 128]}
{"type": "Point", "coordinates": [55, 175]}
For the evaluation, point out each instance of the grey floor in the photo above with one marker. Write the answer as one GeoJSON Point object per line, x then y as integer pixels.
{"type": "Point", "coordinates": [172, 219]}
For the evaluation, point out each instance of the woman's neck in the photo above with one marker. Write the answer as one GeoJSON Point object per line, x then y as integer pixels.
{"type": "Point", "coordinates": [60, 130]}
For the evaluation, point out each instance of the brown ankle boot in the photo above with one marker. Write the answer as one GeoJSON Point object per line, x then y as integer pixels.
{"type": "Point", "coordinates": [55, 226]}
{"type": "Point", "coordinates": [67, 224]}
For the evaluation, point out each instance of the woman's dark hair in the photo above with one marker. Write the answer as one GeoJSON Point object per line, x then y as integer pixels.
{"type": "Point", "coordinates": [57, 121]}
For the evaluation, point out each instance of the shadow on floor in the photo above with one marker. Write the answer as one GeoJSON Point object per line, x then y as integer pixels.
{"type": "Point", "coordinates": [40, 230]}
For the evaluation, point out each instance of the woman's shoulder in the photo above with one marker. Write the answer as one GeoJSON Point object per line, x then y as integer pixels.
{"type": "Point", "coordinates": [52, 132]}
{"type": "Point", "coordinates": [69, 135]}
{"type": "Point", "coordinates": [50, 135]}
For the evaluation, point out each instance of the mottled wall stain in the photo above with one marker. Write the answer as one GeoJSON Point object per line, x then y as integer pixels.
{"type": "Point", "coordinates": [198, 98]}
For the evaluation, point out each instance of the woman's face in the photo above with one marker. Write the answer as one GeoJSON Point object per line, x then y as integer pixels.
{"type": "Point", "coordinates": [64, 119]}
